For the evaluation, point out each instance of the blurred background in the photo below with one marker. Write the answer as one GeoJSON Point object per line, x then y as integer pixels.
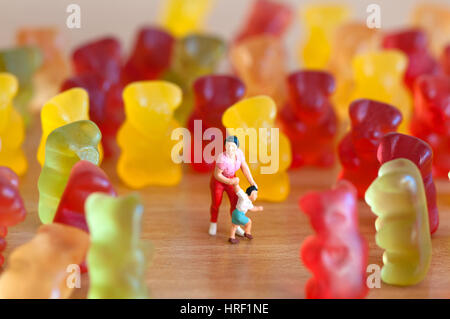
{"type": "Point", "coordinates": [123, 18]}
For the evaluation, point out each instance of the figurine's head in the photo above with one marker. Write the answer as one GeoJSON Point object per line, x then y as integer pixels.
{"type": "Point", "coordinates": [252, 193]}
{"type": "Point", "coordinates": [231, 144]}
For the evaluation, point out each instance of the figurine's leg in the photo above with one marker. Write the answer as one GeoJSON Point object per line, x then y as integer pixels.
{"type": "Point", "coordinates": [232, 197]}
{"type": "Point", "coordinates": [217, 189]}
{"type": "Point", "coordinates": [216, 199]}
{"type": "Point", "coordinates": [248, 227]}
{"type": "Point", "coordinates": [233, 201]}
{"type": "Point", "coordinates": [233, 231]}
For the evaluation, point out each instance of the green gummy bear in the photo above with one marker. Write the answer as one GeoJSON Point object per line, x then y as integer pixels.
{"type": "Point", "coordinates": [116, 258]}
{"type": "Point", "coordinates": [23, 62]}
{"type": "Point", "coordinates": [65, 146]}
{"type": "Point", "coordinates": [397, 197]}
{"type": "Point", "coordinates": [193, 56]}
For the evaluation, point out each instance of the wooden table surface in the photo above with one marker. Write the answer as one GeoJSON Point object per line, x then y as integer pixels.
{"type": "Point", "coordinates": [188, 263]}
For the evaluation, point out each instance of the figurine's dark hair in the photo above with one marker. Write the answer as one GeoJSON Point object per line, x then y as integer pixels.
{"type": "Point", "coordinates": [250, 189]}
{"type": "Point", "coordinates": [232, 138]}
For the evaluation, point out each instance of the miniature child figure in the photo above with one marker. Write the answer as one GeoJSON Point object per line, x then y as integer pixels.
{"type": "Point", "coordinates": [244, 204]}
{"type": "Point", "coordinates": [224, 179]}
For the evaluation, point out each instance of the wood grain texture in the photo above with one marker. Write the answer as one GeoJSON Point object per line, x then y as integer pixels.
{"type": "Point", "coordinates": [188, 263]}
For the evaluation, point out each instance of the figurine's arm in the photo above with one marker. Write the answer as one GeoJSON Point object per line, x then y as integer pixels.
{"type": "Point", "coordinates": [219, 176]}
{"type": "Point", "coordinates": [247, 173]}
{"type": "Point", "coordinates": [256, 209]}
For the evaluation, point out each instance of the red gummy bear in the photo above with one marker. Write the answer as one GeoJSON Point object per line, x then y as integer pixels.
{"type": "Point", "coordinates": [431, 119]}
{"type": "Point", "coordinates": [309, 120]}
{"type": "Point", "coordinates": [266, 17]}
{"type": "Point", "coordinates": [337, 254]}
{"type": "Point", "coordinates": [213, 94]}
{"type": "Point", "coordinates": [103, 57]}
{"type": "Point", "coordinates": [396, 145]}
{"type": "Point", "coordinates": [414, 44]}
{"type": "Point", "coordinates": [370, 121]}
{"type": "Point", "coordinates": [445, 60]}
{"type": "Point", "coordinates": [98, 71]}
{"type": "Point", "coordinates": [85, 178]}
{"type": "Point", "coordinates": [151, 55]}
{"type": "Point", "coordinates": [12, 209]}
{"type": "Point", "coordinates": [105, 106]}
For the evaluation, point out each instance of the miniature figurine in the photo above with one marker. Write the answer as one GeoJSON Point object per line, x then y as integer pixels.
{"type": "Point", "coordinates": [224, 179]}
{"type": "Point", "coordinates": [244, 204]}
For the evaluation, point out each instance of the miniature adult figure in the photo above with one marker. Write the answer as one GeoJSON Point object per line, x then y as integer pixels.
{"type": "Point", "coordinates": [224, 179]}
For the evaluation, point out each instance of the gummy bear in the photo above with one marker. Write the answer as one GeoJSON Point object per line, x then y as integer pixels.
{"type": "Point", "coordinates": [435, 20]}
{"type": "Point", "coordinates": [150, 57]}
{"type": "Point", "coordinates": [102, 56]}
{"type": "Point", "coordinates": [260, 62]}
{"type": "Point", "coordinates": [98, 68]}
{"type": "Point", "coordinates": [414, 43]}
{"type": "Point", "coordinates": [379, 76]}
{"type": "Point", "coordinates": [266, 17]}
{"type": "Point", "coordinates": [55, 67]}
{"type": "Point", "coordinates": [145, 136]}
{"type": "Point", "coordinates": [337, 254]}
{"type": "Point", "coordinates": [213, 95]}
{"type": "Point", "coordinates": [69, 106]}
{"type": "Point", "coordinates": [12, 129]}
{"type": "Point", "coordinates": [431, 118]}
{"type": "Point", "coordinates": [193, 56]}
{"type": "Point", "coordinates": [445, 60]}
{"type": "Point", "coordinates": [396, 145]}
{"type": "Point", "coordinates": [268, 152]}
{"type": "Point", "coordinates": [349, 40]}
{"type": "Point", "coordinates": [397, 197]}
{"type": "Point", "coordinates": [182, 17]}
{"type": "Point", "coordinates": [321, 21]}
{"type": "Point", "coordinates": [370, 121]}
{"type": "Point", "coordinates": [116, 258]}
{"type": "Point", "coordinates": [85, 178]}
{"type": "Point", "coordinates": [40, 268]}
{"type": "Point", "coordinates": [12, 210]}
{"type": "Point", "coordinates": [308, 119]}
{"type": "Point", "coordinates": [23, 62]}
{"type": "Point", "coordinates": [105, 106]}
{"type": "Point", "coordinates": [65, 146]}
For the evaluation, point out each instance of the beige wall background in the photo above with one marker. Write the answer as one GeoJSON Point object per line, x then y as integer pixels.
{"type": "Point", "coordinates": [123, 17]}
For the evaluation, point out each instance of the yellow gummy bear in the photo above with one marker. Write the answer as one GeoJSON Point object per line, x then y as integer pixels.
{"type": "Point", "coordinates": [398, 198]}
{"type": "Point", "coordinates": [69, 106]}
{"type": "Point", "coordinates": [349, 40]}
{"type": "Point", "coordinates": [267, 150]}
{"type": "Point", "coordinates": [116, 258]}
{"type": "Point", "coordinates": [379, 76]}
{"type": "Point", "coordinates": [12, 129]}
{"type": "Point", "coordinates": [182, 17]}
{"type": "Point", "coordinates": [145, 136]}
{"type": "Point", "coordinates": [321, 22]}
